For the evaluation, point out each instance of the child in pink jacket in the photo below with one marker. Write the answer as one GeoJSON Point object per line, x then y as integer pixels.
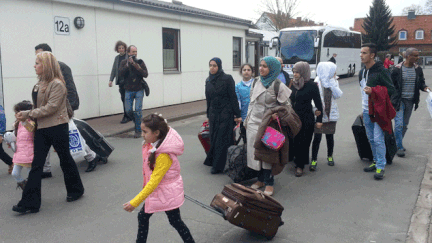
{"type": "Point", "coordinates": [23, 156]}
{"type": "Point", "coordinates": [163, 184]}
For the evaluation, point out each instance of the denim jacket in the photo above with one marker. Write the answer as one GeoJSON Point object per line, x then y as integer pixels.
{"type": "Point", "coordinates": [243, 97]}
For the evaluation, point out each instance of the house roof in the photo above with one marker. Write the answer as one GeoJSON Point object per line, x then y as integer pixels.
{"type": "Point", "coordinates": [179, 8]}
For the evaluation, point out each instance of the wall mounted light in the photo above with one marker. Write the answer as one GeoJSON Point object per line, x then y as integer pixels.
{"type": "Point", "coordinates": [79, 22]}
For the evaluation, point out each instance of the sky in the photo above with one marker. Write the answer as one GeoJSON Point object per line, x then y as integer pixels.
{"type": "Point", "coordinates": [332, 12]}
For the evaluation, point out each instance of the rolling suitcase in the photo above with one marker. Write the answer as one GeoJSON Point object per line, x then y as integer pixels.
{"type": "Point", "coordinates": [249, 209]}
{"type": "Point", "coordinates": [362, 142]}
{"type": "Point", "coordinates": [363, 145]}
{"type": "Point", "coordinates": [237, 168]}
{"type": "Point", "coordinates": [204, 136]}
{"type": "Point", "coordinates": [94, 139]}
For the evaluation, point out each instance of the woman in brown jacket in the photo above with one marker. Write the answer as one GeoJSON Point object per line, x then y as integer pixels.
{"type": "Point", "coordinates": [50, 112]}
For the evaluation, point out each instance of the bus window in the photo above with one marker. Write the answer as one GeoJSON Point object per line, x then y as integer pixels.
{"type": "Point", "coordinates": [342, 39]}
{"type": "Point", "coordinates": [298, 46]}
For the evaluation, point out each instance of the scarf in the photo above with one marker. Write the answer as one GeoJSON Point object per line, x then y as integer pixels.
{"type": "Point", "coordinates": [220, 70]}
{"type": "Point", "coordinates": [326, 72]}
{"type": "Point", "coordinates": [274, 67]}
{"type": "Point", "coordinates": [304, 70]}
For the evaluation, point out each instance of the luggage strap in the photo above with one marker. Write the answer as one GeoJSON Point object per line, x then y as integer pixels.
{"type": "Point", "coordinates": [204, 206]}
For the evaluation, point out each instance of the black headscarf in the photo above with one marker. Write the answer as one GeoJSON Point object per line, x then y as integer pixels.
{"type": "Point", "coordinates": [220, 70]}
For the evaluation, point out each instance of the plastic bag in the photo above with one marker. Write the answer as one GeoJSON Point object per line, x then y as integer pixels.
{"type": "Point", "coordinates": [429, 102]}
{"type": "Point", "coordinates": [76, 143]}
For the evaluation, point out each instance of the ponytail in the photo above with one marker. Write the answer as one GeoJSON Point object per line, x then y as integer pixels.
{"type": "Point", "coordinates": [156, 123]}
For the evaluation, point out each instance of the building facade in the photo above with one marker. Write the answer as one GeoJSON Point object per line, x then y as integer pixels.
{"type": "Point", "coordinates": [411, 31]}
{"type": "Point", "coordinates": [175, 41]}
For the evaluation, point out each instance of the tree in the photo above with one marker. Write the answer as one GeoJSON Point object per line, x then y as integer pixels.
{"type": "Point", "coordinates": [379, 26]}
{"type": "Point", "coordinates": [428, 7]}
{"type": "Point", "coordinates": [417, 8]}
{"type": "Point", "coordinates": [281, 13]}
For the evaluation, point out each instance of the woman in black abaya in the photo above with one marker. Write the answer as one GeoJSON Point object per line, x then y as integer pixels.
{"type": "Point", "coordinates": [222, 110]}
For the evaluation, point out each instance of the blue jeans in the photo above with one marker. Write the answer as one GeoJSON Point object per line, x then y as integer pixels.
{"type": "Point", "coordinates": [138, 96]}
{"type": "Point", "coordinates": [376, 139]}
{"type": "Point", "coordinates": [402, 119]}
{"type": "Point", "coordinates": [266, 177]}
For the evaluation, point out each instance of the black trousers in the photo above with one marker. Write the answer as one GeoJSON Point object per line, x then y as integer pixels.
{"type": "Point", "coordinates": [174, 219]}
{"type": "Point", "coordinates": [122, 96]}
{"type": "Point", "coordinates": [58, 137]}
{"type": "Point", "coordinates": [301, 144]}
{"type": "Point", "coordinates": [316, 143]}
{"type": "Point", "coordinates": [4, 156]}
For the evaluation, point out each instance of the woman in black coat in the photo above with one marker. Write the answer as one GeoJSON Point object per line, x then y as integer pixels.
{"type": "Point", "coordinates": [222, 110]}
{"type": "Point", "coordinates": [303, 92]}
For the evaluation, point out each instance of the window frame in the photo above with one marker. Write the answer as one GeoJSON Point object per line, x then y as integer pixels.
{"type": "Point", "coordinates": [419, 31]}
{"type": "Point", "coordinates": [240, 39]}
{"type": "Point", "coordinates": [177, 50]}
{"type": "Point", "coordinates": [406, 35]}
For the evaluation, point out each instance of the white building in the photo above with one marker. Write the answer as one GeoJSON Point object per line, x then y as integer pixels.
{"type": "Point", "coordinates": [175, 41]}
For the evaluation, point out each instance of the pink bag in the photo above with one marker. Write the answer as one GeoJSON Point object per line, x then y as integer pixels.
{"type": "Point", "coordinates": [272, 138]}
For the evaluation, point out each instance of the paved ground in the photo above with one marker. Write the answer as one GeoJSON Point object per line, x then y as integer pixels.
{"type": "Point", "coordinates": [333, 204]}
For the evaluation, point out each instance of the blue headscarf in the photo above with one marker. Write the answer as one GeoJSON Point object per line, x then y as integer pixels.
{"type": "Point", "coordinates": [275, 67]}
{"type": "Point", "coordinates": [220, 70]}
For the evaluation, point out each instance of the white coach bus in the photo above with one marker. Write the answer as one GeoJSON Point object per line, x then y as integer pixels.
{"type": "Point", "coordinates": [314, 44]}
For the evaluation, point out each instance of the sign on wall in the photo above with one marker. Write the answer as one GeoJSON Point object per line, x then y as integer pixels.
{"type": "Point", "coordinates": [61, 25]}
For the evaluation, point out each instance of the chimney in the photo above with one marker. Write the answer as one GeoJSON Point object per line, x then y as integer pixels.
{"type": "Point", "coordinates": [411, 14]}
{"type": "Point", "coordinates": [177, 2]}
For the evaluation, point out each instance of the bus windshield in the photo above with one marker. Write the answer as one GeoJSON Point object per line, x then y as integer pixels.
{"type": "Point", "coordinates": [298, 45]}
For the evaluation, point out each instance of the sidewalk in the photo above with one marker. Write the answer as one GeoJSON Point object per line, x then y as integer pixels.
{"type": "Point", "coordinates": [111, 126]}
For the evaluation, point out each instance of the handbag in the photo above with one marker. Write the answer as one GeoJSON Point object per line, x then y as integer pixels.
{"type": "Point", "coordinates": [272, 138]}
{"type": "Point", "coordinates": [146, 87]}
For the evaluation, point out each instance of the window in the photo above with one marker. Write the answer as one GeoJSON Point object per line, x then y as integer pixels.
{"type": "Point", "coordinates": [171, 49]}
{"type": "Point", "coordinates": [237, 52]}
{"type": "Point", "coordinates": [342, 39]}
{"type": "Point", "coordinates": [402, 35]}
{"type": "Point", "coordinates": [402, 49]}
{"type": "Point", "coordinates": [419, 34]}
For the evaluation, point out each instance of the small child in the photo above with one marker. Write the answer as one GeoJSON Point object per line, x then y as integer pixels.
{"type": "Point", "coordinates": [23, 156]}
{"type": "Point", "coordinates": [163, 185]}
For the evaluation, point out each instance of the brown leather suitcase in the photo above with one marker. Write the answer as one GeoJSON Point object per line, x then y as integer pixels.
{"type": "Point", "coordinates": [249, 209]}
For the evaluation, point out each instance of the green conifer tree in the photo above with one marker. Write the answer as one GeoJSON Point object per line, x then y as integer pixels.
{"type": "Point", "coordinates": [379, 26]}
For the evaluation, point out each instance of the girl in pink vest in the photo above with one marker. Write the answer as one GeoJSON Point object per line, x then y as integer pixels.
{"type": "Point", "coordinates": [23, 156]}
{"type": "Point", "coordinates": [163, 185]}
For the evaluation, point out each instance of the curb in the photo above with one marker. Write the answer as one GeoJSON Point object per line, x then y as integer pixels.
{"type": "Point", "coordinates": [172, 119]}
{"type": "Point", "coordinates": [419, 230]}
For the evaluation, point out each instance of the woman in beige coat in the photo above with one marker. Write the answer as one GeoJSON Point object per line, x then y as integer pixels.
{"type": "Point", "coordinates": [263, 97]}
{"type": "Point", "coordinates": [50, 112]}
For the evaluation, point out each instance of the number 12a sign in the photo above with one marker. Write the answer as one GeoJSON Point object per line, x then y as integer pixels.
{"type": "Point", "coordinates": [61, 25]}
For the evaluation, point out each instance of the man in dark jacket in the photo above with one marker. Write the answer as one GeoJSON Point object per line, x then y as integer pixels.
{"type": "Point", "coordinates": [72, 97]}
{"type": "Point", "coordinates": [134, 71]}
{"type": "Point", "coordinates": [372, 75]}
{"type": "Point", "coordinates": [408, 80]}
{"type": "Point", "coordinates": [333, 58]}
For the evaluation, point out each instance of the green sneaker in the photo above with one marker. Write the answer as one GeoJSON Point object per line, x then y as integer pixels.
{"type": "Point", "coordinates": [330, 161]}
{"type": "Point", "coordinates": [313, 165]}
{"type": "Point", "coordinates": [371, 168]}
{"type": "Point", "coordinates": [379, 174]}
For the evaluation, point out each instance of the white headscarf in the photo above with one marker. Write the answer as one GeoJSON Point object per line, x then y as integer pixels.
{"type": "Point", "coordinates": [326, 72]}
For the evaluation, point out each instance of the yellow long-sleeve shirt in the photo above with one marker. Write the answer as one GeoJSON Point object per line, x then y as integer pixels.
{"type": "Point", "coordinates": [162, 165]}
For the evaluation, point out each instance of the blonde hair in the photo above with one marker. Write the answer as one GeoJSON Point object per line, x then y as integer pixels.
{"type": "Point", "coordinates": [50, 67]}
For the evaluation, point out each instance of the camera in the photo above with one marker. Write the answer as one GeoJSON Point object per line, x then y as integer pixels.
{"type": "Point", "coordinates": [134, 58]}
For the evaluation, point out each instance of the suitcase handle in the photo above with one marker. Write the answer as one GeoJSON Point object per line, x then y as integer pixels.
{"type": "Point", "coordinates": [217, 211]}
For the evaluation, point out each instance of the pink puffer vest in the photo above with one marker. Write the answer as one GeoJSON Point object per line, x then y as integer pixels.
{"type": "Point", "coordinates": [169, 194]}
{"type": "Point", "coordinates": [24, 146]}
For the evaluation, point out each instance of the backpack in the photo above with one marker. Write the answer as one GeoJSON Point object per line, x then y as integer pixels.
{"type": "Point", "coordinates": [237, 160]}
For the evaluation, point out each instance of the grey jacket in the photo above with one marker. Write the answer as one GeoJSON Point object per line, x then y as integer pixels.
{"type": "Point", "coordinates": [115, 69]}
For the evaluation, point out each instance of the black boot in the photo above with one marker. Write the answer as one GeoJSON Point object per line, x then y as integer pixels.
{"type": "Point", "coordinates": [92, 164]}
{"type": "Point", "coordinates": [125, 120]}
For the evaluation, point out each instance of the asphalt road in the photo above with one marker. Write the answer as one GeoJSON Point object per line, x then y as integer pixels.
{"type": "Point", "coordinates": [334, 204]}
